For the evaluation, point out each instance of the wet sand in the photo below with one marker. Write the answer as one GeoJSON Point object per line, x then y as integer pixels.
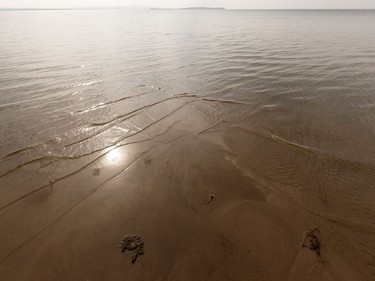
{"type": "Point", "coordinates": [128, 122]}
{"type": "Point", "coordinates": [159, 189]}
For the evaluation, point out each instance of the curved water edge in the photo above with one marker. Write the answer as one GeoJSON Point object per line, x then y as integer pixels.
{"type": "Point", "coordinates": [293, 113]}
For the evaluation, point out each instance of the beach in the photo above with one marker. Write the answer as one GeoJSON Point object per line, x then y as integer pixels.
{"type": "Point", "coordinates": [233, 153]}
{"type": "Point", "coordinates": [160, 190]}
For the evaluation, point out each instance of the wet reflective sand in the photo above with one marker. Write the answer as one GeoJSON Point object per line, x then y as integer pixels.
{"type": "Point", "coordinates": [107, 131]}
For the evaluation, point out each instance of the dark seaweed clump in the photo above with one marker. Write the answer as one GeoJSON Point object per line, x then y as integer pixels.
{"type": "Point", "coordinates": [312, 241]}
{"type": "Point", "coordinates": [132, 243]}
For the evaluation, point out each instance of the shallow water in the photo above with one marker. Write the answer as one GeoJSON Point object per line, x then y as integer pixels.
{"type": "Point", "coordinates": [289, 95]}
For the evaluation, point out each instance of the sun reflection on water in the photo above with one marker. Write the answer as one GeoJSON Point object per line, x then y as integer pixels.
{"type": "Point", "coordinates": [115, 156]}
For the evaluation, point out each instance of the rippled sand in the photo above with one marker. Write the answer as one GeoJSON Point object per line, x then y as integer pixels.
{"type": "Point", "coordinates": [65, 216]}
{"type": "Point", "coordinates": [133, 136]}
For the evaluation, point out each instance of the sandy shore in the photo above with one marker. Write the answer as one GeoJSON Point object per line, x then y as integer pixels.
{"type": "Point", "coordinates": [158, 190]}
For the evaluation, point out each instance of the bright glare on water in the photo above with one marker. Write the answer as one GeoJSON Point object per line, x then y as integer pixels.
{"type": "Point", "coordinates": [291, 93]}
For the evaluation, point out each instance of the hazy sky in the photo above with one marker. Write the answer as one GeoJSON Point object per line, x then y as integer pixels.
{"type": "Point", "coordinates": [234, 4]}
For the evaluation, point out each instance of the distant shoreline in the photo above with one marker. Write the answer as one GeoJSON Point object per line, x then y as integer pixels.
{"type": "Point", "coordinates": [190, 8]}
{"type": "Point", "coordinates": [148, 8]}
{"type": "Point", "coordinates": [109, 8]}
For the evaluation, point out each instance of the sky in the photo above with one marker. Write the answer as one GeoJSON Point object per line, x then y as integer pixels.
{"type": "Point", "coordinates": [229, 4]}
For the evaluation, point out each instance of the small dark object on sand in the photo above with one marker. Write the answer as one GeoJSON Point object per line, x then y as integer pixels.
{"type": "Point", "coordinates": [209, 199]}
{"type": "Point", "coordinates": [312, 241]}
{"type": "Point", "coordinates": [132, 242]}
{"type": "Point", "coordinates": [96, 172]}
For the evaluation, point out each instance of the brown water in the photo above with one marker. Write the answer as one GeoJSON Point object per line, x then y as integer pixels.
{"type": "Point", "coordinates": [288, 95]}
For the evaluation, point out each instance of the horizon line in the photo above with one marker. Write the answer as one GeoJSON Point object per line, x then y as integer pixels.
{"type": "Point", "coordinates": [182, 8]}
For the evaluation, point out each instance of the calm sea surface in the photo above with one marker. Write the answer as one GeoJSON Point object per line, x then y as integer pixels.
{"type": "Point", "coordinates": [292, 91]}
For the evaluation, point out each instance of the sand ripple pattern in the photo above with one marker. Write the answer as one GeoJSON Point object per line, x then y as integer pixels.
{"type": "Point", "coordinates": [289, 94]}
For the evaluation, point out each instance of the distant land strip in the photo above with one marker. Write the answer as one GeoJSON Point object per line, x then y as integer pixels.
{"type": "Point", "coordinates": [104, 8]}
{"type": "Point", "coordinates": [191, 8]}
